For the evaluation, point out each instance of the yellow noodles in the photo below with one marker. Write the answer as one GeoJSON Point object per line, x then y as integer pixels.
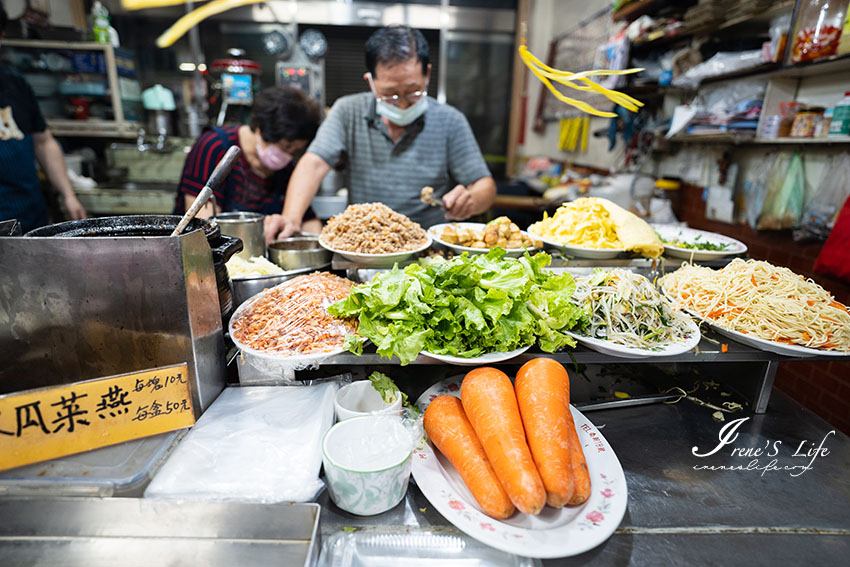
{"type": "Point", "coordinates": [762, 300]}
{"type": "Point", "coordinates": [579, 81]}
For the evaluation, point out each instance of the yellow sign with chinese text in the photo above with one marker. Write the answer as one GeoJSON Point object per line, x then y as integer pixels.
{"type": "Point", "coordinates": [52, 422]}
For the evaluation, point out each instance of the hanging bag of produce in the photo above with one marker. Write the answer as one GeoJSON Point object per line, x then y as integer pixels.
{"type": "Point", "coordinates": [822, 209]}
{"type": "Point", "coordinates": [782, 209]}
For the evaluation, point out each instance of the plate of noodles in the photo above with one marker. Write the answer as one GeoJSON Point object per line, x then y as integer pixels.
{"type": "Point", "coordinates": [693, 244]}
{"type": "Point", "coordinates": [763, 306]}
{"type": "Point", "coordinates": [591, 227]}
{"type": "Point", "coordinates": [629, 318]}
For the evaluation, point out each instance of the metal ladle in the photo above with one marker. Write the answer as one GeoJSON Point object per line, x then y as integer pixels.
{"type": "Point", "coordinates": [219, 173]}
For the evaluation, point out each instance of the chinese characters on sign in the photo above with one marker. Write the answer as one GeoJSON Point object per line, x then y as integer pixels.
{"type": "Point", "coordinates": [62, 420]}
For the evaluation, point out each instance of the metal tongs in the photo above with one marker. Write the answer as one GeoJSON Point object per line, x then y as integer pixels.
{"type": "Point", "coordinates": [219, 173]}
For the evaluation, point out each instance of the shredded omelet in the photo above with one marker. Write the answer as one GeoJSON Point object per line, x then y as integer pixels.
{"type": "Point", "coordinates": [584, 222]}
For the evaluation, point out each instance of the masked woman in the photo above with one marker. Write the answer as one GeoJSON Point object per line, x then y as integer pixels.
{"type": "Point", "coordinates": [283, 121]}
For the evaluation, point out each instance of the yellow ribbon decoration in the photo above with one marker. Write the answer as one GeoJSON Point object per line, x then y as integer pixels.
{"type": "Point", "coordinates": [581, 82]}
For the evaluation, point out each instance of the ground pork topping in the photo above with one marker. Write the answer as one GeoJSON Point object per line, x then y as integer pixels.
{"type": "Point", "coordinates": [372, 228]}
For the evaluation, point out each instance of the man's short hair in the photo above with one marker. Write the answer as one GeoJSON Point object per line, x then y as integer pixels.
{"type": "Point", "coordinates": [395, 44]}
{"type": "Point", "coordinates": [284, 113]}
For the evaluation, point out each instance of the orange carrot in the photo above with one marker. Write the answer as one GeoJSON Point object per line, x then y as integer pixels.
{"type": "Point", "coordinates": [543, 394]}
{"type": "Point", "coordinates": [580, 472]}
{"type": "Point", "coordinates": [449, 429]}
{"type": "Point", "coordinates": [490, 404]}
{"type": "Point", "coordinates": [838, 305]}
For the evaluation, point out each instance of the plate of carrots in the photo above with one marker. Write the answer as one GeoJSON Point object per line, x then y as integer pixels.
{"type": "Point", "coordinates": [515, 466]}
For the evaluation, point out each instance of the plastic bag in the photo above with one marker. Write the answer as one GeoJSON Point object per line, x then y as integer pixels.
{"type": "Point", "coordinates": [720, 64]}
{"type": "Point", "coordinates": [257, 444]}
{"type": "Point", "coordinates": [783, 204]}
{"type": "Point", "coordinates": [822, 209]}
{"type": "Point", "coordinates": [755, 189]}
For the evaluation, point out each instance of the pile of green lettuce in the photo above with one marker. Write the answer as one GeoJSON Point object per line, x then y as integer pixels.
{"type": "Point", "coordinates": [466, 306]}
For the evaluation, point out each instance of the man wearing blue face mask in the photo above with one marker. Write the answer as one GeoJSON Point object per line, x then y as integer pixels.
{"type": "Point", "coordinates": [394, 140]}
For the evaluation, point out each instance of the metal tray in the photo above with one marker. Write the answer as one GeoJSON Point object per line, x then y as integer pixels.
{"type": "Point", "coordinates": [148, 533]}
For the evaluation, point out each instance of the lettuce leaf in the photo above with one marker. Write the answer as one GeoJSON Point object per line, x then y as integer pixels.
{"type": "Point", "coordinates": [465, 306]}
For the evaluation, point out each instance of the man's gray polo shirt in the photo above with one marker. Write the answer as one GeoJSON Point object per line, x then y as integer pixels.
{"type": "Point", "coordinates": [438, 149]}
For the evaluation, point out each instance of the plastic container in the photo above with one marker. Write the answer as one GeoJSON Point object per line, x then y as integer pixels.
{"type": "Point", "coordinates": [770, 126]}
{"type": "Point", "coordinates": [818, 30]}
{"type": "Point", "coordinates": [118, 470]}
{"type": "Point", "coordinates": [840, 125]}
{"type": "Point", "coordinates": [100, 22]}
{"type": "Point", "coordinates": [805, 122]}
{"type": "Point", "coordinates": [425, 547]}
{"type": "Point", "coordinates": [822, 128]}
{"type": "Point", "coordinates": [787, 111]}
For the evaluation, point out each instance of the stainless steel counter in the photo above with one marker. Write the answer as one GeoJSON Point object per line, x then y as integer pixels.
{"type": "Point", "coordinates": [681, 516]}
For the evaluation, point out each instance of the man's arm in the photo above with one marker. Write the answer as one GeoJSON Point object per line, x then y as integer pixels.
{"type": "Point", "coordinates": [303, 186]}
{"type": "Point", "coordinates": [49, 157]}
{"type": "Point", "coordinates": [463, 202]}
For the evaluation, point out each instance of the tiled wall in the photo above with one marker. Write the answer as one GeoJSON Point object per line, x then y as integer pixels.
{"type": "Point", "coordinates": [821, 386]}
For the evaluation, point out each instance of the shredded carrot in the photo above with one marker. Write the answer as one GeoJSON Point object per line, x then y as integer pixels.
{"type": "Point", "coordinates": [838, 305]}
{"type": "Point", "coordinates": [724, 347]}
{"type": "Point", "coordinates": [806, 336]}
{"type": "Point", "coordinates": [810, 303]}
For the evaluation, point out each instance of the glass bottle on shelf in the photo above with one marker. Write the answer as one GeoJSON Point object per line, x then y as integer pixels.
{"type": "Point", "coordinates": [818, 29]}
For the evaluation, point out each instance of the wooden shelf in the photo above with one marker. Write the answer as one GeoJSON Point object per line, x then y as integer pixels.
{"type": "Point", "coordinates": [70, 45]}
{"type": "Point", "coordinates": [634, 10]}
{"type": "Point", "coordinates": [746, 138]}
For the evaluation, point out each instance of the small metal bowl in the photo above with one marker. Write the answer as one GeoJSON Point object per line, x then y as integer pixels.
{"type": "Point", "coordinates": [299, 252]}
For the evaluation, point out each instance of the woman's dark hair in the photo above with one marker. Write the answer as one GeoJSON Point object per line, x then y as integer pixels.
{"type": "Point", "coordinates": [4, 18]}
{"type": "Point", "coordinates": [394, 44]}
{"type": "Point", "coordinates": [284, 113]}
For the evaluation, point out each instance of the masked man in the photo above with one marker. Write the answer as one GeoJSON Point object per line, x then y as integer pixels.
{"type": "Point", "coordinates": [393, 140]}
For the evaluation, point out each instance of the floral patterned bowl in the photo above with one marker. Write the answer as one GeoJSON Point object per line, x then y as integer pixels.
{"type": "Point", "coordinates": [367, 463]}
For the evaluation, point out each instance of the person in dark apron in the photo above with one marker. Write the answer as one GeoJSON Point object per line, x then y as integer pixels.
{"type": "Point", "coordinates": [25, 140]}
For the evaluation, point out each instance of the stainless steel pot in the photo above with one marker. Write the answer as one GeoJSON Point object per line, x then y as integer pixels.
{"type": "Point", "coordinates": [246, 288]}
{"type": "Point", "coordinates": [248, 227]}
{"type": "Point", "coordinates": [299, 252]}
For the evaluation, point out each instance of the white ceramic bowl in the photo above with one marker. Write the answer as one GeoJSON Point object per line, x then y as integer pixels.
{"type": "Point", "coordinates": [360, 399]}
{"type": "Point", "coordinates": [367, 463]}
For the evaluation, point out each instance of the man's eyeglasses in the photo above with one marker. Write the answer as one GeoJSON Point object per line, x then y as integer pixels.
{"type": "Point", "coordinates": [411, 98]}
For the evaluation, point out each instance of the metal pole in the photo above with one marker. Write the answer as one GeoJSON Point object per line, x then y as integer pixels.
{"type": "Point", "coordinates": [441, 72]}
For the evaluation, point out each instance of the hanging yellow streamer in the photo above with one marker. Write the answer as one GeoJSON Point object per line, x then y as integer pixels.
{"type": "Point", "coordinates": [579, 81]}
{"type": "Point", "coordinates": [188, 21]}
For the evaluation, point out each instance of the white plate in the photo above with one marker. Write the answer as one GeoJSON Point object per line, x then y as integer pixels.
{"type": "Point", "coordinates": [762, 344]}
{"type": "Point", "coordinates": [377, 260]}
{"type": "Point", "coordinates": [624, 351]}
{"type": "Point", "coordinates": [554, 532]}
{"type": "Point", "coordinates": [670, 232]}
{"type": "Point", "coordinates": [489, 358]}
{"type": "Point", "coordinates": [580, 251]}
{"type": "Point", "coordinates": [436, 230]}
